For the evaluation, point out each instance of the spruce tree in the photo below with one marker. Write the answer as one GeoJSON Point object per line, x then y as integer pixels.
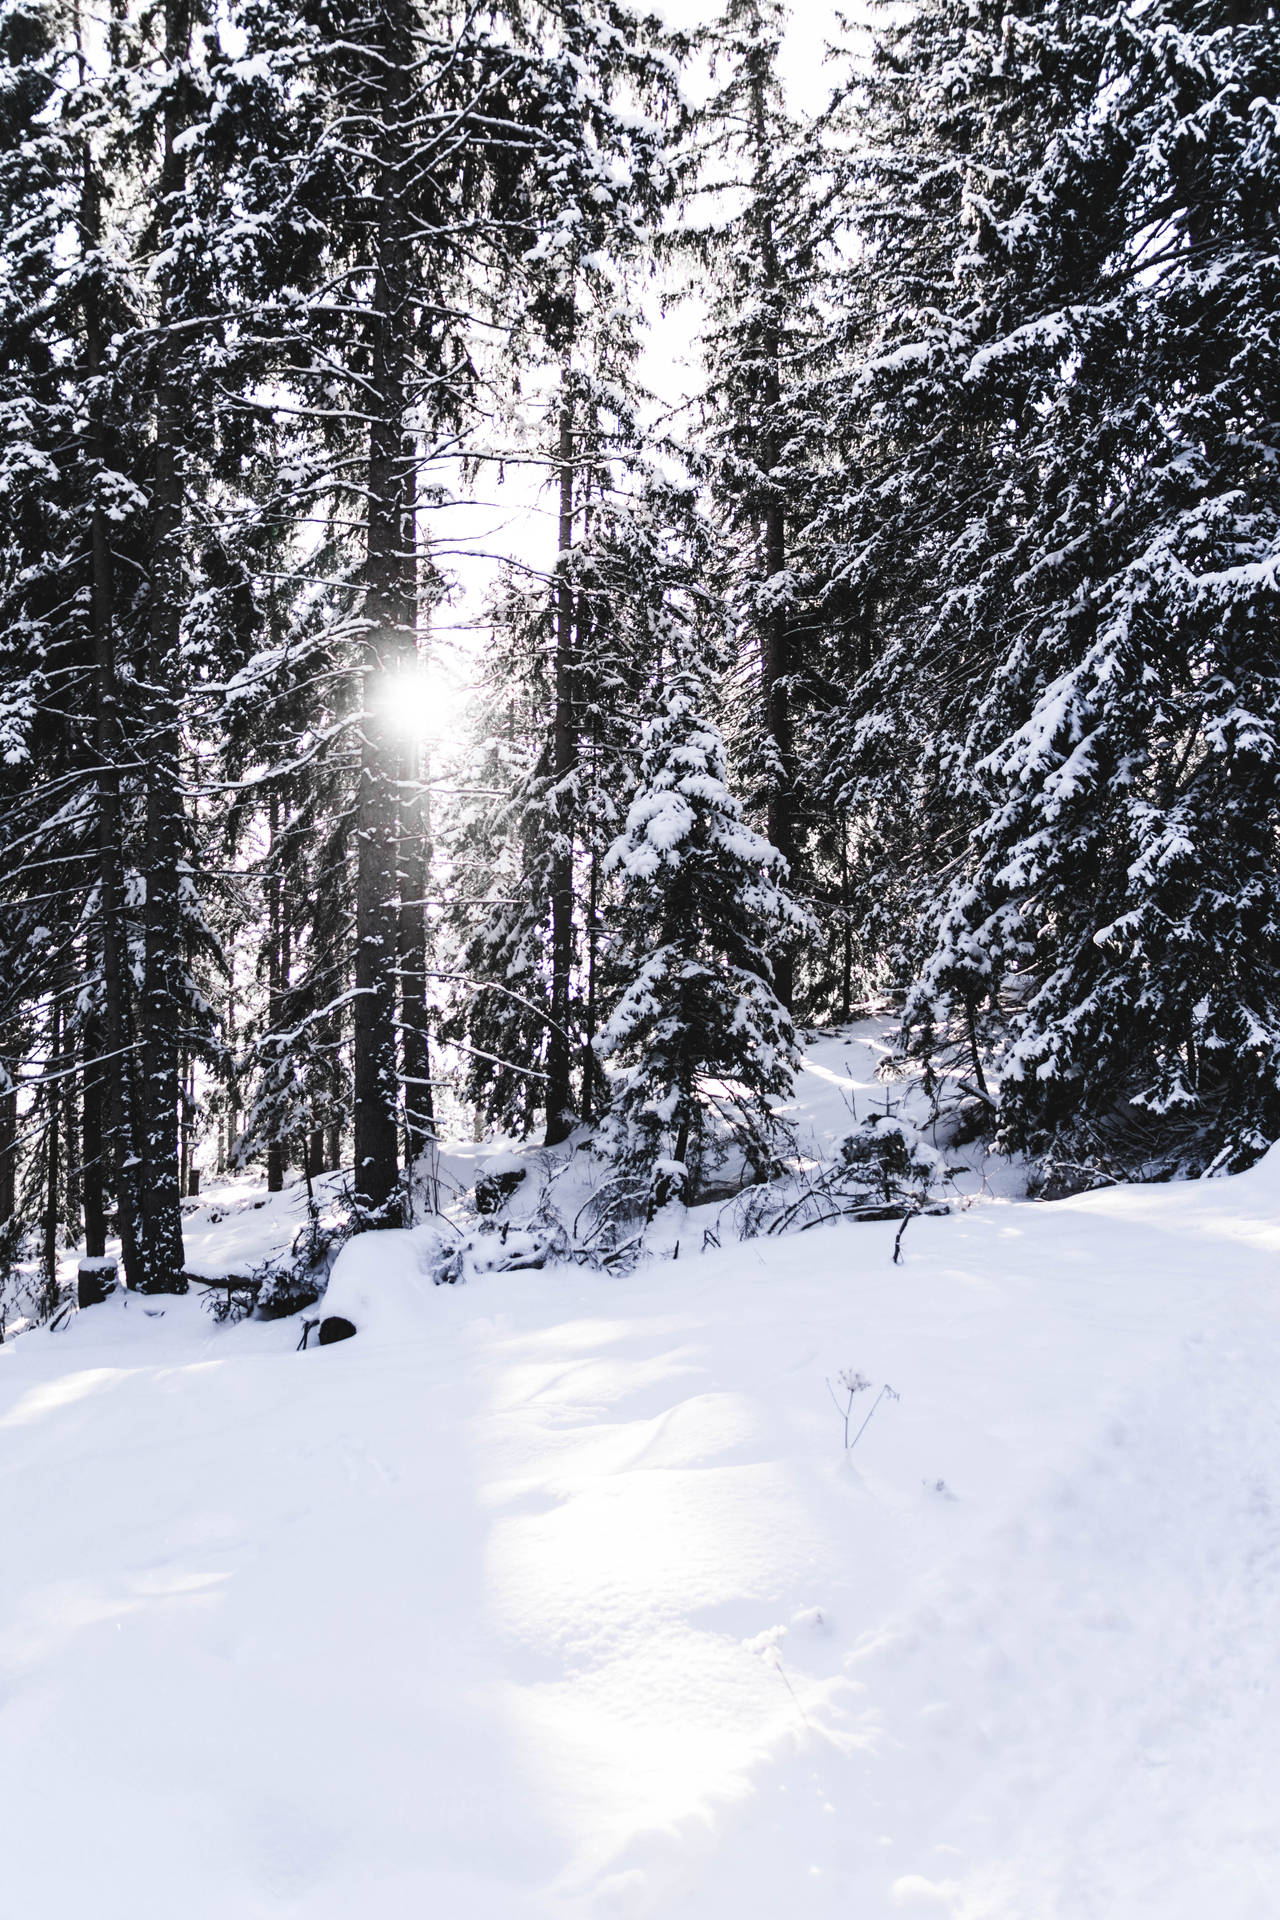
{"type": "Point", "coordinates": [1124, 865]}
{"type": "Point", "coordinates": [596, 193]}
{"type": "Point", "coordinates": [698, 1041]}
{"type": "Point", "coordinates": [105, 366]}
{"type": "Point", "coordinates": [1059, 525]}
{"type": "Point", "coordinates": [631, 548]}
{"type": "Point", "coordinates": [761, 227]}
{"type": "Point", "coordinates": [940, 137]}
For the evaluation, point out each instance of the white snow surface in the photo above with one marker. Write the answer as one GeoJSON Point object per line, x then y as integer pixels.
{"type": "Point", "coordinates": [556, 1595]}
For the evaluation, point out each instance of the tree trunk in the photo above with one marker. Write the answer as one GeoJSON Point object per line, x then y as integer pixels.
{"type": "Point", "coordinates": [777, 668]}
{"type": "Point", "coordinates": [415, 1041]}
{"type": "Point", "coordinates": [276, 970]}
{"type": "Point", "coordinates": [846, 927]}
{"type": "Point", "coordinates": [92, 1145]}
{"type": "Point", "coordinates": [560, 1117]}
{"type": "Point", "coordinates": [8, 1153]}
{"type": "Point", "coordinates": [374, 1062]}
{"type": "Point", "coordinates": [50, 1249]}
{"type": "Point", "coordinates": [117, 1156]}
{"type": "Point", "coordinates": [184, 1118]}
{"type": "Point", "coordinates": [162, 1010]}
{"type": "Point", "coordinates": [590, 1065]}
{"type": "Point", "coordinates": [72, 1202]}
{"type": "Point", "coordinates": [232, 1087]}
{"type": "Point", "coordinates": [190, 1171]}
{"type": "Point", "coordinates": [776, 635]}
{"type": "Point", "coordinates": [391, 607]}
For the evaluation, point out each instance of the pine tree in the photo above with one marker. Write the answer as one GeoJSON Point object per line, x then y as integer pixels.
{"type": "Point", "coordinates": [596, 196]}
{"type": "Point", "coordinates": [767, 178]}
{"type": "Point", "coordinates": [699, 1042]}
{"type": "Point", "coordinates": [1061, 531]}
{"type": "Point", "coordinates": [596, 235]}
{"type": "Point", "coordinates": [633, 550]}
{"type": "Point", "coordinates": [107, 370]}
{"type": "Point", "coordinates": [1125, 863]}
{"type": "Point", "coordinates": [940, 138]}
{"type": "Point", "coordinates": [465, 243]}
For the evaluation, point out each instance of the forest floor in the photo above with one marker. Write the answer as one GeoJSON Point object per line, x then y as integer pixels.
{"type": "Point", "coordinates": [559, 1595]}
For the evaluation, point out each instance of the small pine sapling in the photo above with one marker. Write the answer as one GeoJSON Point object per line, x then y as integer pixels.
{"type": "Point", "coordinates": [700, 1045]}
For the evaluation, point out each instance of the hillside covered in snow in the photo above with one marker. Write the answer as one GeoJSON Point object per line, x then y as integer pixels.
{"type": "Point", "coordinates": [558, 1594]}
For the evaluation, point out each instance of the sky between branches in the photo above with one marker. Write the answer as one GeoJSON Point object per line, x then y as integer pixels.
{"type": "Point", "coordinates": [516, 518]}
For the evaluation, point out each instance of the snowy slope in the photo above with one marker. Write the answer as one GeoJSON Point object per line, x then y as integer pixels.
{"type": "Point", "coordinates": [557, 1595]}
{"type": "Point", "coordinates": [237, 1226]}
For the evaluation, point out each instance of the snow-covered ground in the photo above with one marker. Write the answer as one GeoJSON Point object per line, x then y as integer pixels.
{"type": "Point", "coordinates": [558, 1595]}
{"type": "Point", "coordinates": [237, 1226]}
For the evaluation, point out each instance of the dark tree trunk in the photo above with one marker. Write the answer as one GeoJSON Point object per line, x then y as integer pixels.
{"type": "Point", "coordinates": [286, 974]}
{"type": "Point", "coordinates": [391, 607]}
{"type": "Point", "coordinates": [72, 1204]}
{"type": "Point", "coordinates": [52, 1148]}
{"type": "Point", "coordinates": [776, 636]}
{"type": "Point", "coordinates": [8, 1153]}
{"type": "Point", "coordinates": [560, 1117]}
{"type": "Point", "coordinates": [189, 1177]}
{"type": "Point", "coordinates": [162, 1009]}
{"type": "Point", "coordinates": [590, 1065]}
{"type": "Point", "coordinates": [975, 1055]}
{"type": "Point", "coordinates": [117, 1156]}
{"type": "Point", "coordinates": [277, 972]}
{"type": "Point", "coordinates": [415, 1041]}
{"type": "Point", "coordinates": [374, 1062]}
{"type": "Point", "coordinates": [232, 1088]}
{"type": "Point", "coordinates": [92, 1143]}
{"type": "Point", "coordinates": [121, 1087]}
{"type": "Point", "coordinates": [846, 927]}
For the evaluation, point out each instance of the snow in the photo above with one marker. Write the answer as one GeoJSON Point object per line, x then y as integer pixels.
{"type": "Point", "coordinates": [237, 1226]}
{"type": "Point", "coordinates": [556, 1595]}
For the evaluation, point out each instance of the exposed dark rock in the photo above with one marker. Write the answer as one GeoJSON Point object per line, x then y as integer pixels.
{"type": "Point", "coordinates": [334, 1327]}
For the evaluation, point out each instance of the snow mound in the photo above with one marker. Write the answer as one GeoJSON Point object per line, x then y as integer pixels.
{"type": "Point", "coordinates": [383, 1283]}
{"type": "Point", "coordinates": [561, 1598]}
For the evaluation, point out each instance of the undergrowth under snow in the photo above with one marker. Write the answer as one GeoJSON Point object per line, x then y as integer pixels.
{"type": "Point", "coordinates": [558, 1594]}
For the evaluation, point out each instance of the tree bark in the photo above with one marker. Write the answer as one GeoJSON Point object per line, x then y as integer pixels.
{"type": "Point", "coordinates": [277, 968]}
{"type": "Point", "coordinates": [117, 1155]}
{"type": "Point", "coordinates": [92, 1143]}
{"type": "Point", "coordinates": [776, 634]}
{"type": "Point", "coordinates": [162, 1009]}
{"type": "Point", "coordinates": [54, 1096]}
{"type": "Point", "coordinates": [232, 1089]}
{"type": "Point", "coordinates": [72, 1198]}
{"type": "Point", "coordinates": [391, 607]}
{"type": "Point", "coordinates": [415, 1039]}
{"type": "Point", "coordinates": [590, 1065]}
{"type": "Point", "coordinates": [846, 926]}
{"type": "Point", "coordinates": [560, 1116]}
{"type": "Point", "coordinates": [8, 1153]}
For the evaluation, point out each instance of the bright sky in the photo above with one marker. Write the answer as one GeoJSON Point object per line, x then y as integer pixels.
{"type": "Point", "coordinates": [517, 518]}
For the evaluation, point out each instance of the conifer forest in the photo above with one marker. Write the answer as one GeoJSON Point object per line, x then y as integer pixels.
{"type": "Point", "coordinates": [850, 510]}
{"type": "Point", "coordinates": [639, 959]}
